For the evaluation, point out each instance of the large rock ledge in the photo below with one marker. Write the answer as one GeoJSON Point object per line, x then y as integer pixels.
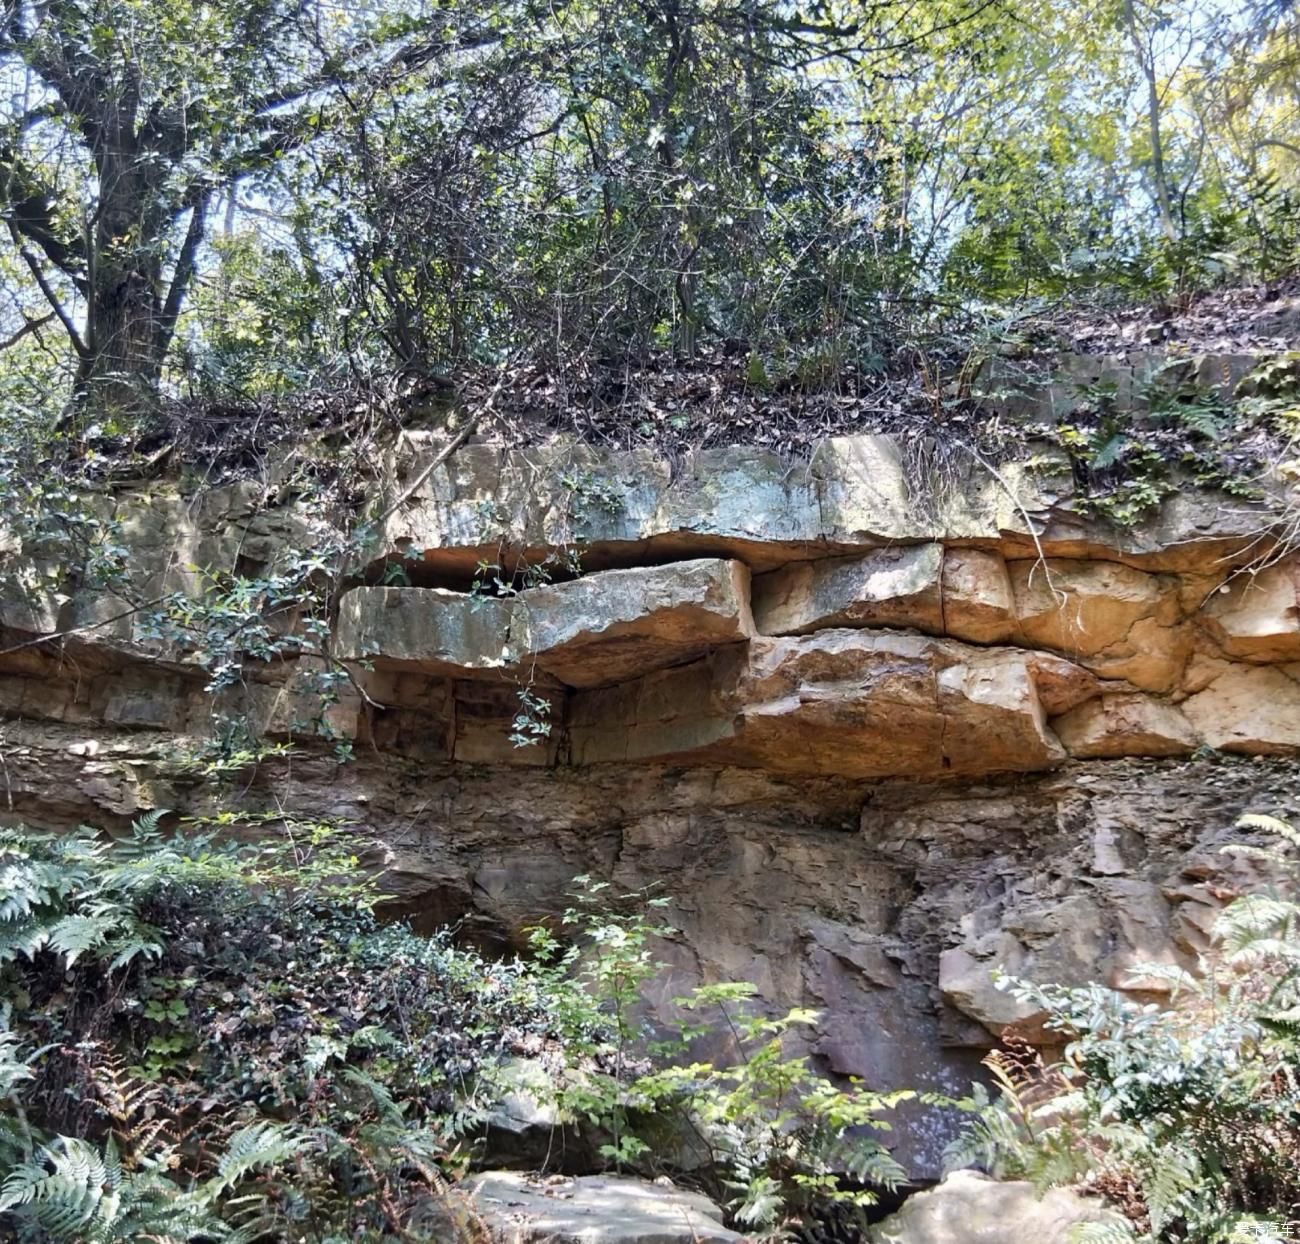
{"type": "Point", "coordinates": [852, 665]}
{"type": "Point", "coordinates": [873, 742]}
{"type": "Point", "coordinates": [866, 621]}
{"type": "Point", "coordinates": [855, 493]}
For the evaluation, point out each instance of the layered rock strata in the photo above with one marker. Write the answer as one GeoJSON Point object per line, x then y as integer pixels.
{"type": "Point", "coordinates": [878, 724]}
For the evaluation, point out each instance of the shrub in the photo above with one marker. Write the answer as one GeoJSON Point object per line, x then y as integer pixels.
{"type": "Point", "coordinates": [1187, 1116]}
{"type": "Point", "coordinates": [216, 1039]}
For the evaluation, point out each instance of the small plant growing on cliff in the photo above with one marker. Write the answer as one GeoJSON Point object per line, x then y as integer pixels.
{"type": "Point", "coordinates": [782, 1143]}
{"type": "Point", "coordinates": [1185, 1115]}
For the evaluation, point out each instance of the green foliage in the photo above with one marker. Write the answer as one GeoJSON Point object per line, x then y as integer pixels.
{"type": "Point", "coordinates": [277, 1065]}
{"type": "Point", "coordinates": [281, 1065]}
{"type": "Point", "coordinates": [784, 1143]}
{"type": "Point", "coordinates": [1183, 1115]}
{"type": "Point", "coordinates": [1127, 461]}
{"type": "Point", "coordinates": [414, 188]}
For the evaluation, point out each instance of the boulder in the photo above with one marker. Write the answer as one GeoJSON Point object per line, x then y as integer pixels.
{"type": "Point", "coordinates": [1248, 708]}
{"type": "Point", "coordinates": [1256, 617]}
{"type": "Point", "coordinates": [1127, 724]}
{"type": "Point", "coordinates": [886, 587]}
{"type": "Point", "coordinates": [969, 1208]}
{"type": "Point", "coordinates": [593, 1209]}
{"type": "Point", "coordinates": [978, 604]}
{"type": "Point", "coordinates": [842, 702]}
{"type": "Point", "coordinates": [606, 627]}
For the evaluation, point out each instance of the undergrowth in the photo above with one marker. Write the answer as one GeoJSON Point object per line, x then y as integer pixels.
{"type": "Point", "coordinates": [212, 1037]}
{"type": "Point", "coordinates": [1185, 1116]}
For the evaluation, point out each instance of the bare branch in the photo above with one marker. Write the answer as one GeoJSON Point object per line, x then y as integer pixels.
{"type": "Point", "coordinates": [29, 326]}
{"type": "Point", "coordinates": [34, 265]}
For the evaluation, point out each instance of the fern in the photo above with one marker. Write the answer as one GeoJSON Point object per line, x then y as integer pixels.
{"type": "Point", "coordinates": [255, 1147]}
{"type": "Point", "coordinates": [64, 1188]}
{"type": "Point", "coordinates": [1112, 1231]}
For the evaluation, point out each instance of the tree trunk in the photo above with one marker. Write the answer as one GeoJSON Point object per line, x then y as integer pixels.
{"type": "Point", "coordinates": [124, 317]}
{"type": "Point", "coordinates": [1146, 62]}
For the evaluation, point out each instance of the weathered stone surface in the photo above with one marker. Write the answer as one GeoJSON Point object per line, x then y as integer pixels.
{"type": "Point", "coordinates": [969, 1208]}
{"type": "Point", "coordinates": [428, 629]}
{"type": "Point", "coordinates": [886, 587]}
{"type": "Point", "coordinates": [1079, 607]}
{"type": "Point", "coordinates": [1060, 683]}
{"type": "Point", "coordinates": [789, 854]}
{"type": "Point", "coordinates": [978, 603]}
{"type": "Point", "coordinates": [851, 703]}
{"type": "Point", "coordinates": [1119, 622]}
{"type": "Point", "coordinates": [588, 632]}
{"type": "Point", "coordinates": [856, 493]}
{"type": "Point", "coordinates": [1245, 708]}
{"type": "Point", "coordinates": [865, 494]}
{"type": "Point", "coordinates": [832, 894]}
{"type": "Point", "coordinates": [1125, 725]}
{"type": "Point", "coordinates": [594, 1209]}
{"type": "Point", "coordinates": [1256, 617]}
{"type": "Point", "coordinates": [618, 624]}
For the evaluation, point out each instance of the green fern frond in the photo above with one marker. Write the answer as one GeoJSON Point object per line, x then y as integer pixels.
{"type": "Point", "coordinates": [75, 935]}
{"type": "Point", "coordinates": [255, 1147]}
{"type": "Point", "coordinates": [1258, 925]}
{"type": "Point", "coordinates": [1270, 825]}
{"type": "Point", "coordinates": [22, 938]}
{"type": "Point", "coordinates": [1112, 1231]}
{"type": "Point", "coordinates": [63, 1189]}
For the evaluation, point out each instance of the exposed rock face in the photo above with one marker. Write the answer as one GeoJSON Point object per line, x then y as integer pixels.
{"type": "Point", "coordinates": [1125, 725]}
{"type": "Point", "coordinates": [973, 1209]}
{"type": "Point", "coordinates": [847, 703]}
{"type": "Point", "coordinates": [888, 587]}
{"type": "Point", "coordinates": [594, 1209]}
{"type": "Point", "coordinates": [1256, 617]}
{"type": "Point", "coordinates": [585, 632]}
{"type": "Point", "coordinates": [907, 754]}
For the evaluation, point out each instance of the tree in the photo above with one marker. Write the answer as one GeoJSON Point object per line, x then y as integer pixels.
{"type": "Point", "coordinates": [134, 118]}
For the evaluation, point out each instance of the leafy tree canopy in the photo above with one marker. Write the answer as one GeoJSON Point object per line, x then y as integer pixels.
{"type": "Point", "coordinates": [261, 196]}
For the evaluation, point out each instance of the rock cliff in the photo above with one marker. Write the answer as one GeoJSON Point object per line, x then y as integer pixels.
{"type": "Point", "coordinates": [878, 723]}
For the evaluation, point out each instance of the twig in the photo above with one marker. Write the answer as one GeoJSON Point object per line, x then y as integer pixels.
{"type": "Point", "coordinates": [1059, 596]}
{"type": "Point", "coordinates": [79, 630]}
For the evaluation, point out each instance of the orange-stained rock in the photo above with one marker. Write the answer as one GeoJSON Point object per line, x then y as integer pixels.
{"type": "Point", "coordinates": [1082, 608]}
{"type": "Point", "coordinates": [1060, 683]}
{"type": "Point", "coordinates": [978, 603]}
{"type": "Point", "coordinates": [1256, 617]}
{"type": "Point", "coordinates": [886, 587]}
{"type": "Point", "coordinates": [1119, 622]}
{"type": "Point", "coordinates": [844, 702]}
{"type": "Point", "coordinates": [1128, 724]}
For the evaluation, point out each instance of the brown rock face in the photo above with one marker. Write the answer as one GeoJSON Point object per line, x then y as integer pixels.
{"type": "Point", "coordinates": [846, 703]}
{"type": "Point", "coordinates": [609, 627]}
{"type": "Point", "coordinates": [1256, 617]}
{"type": "Point", "coordinates": [887, 587]}
{"type": "Point", "coordinates": [1249, 709]}
{"type": "Point", "coordinates": [1125, 725]}
{"type": "Point", "coordinates": [890, 766]}
{"type": "Point", "coordinates": [585, 633]}
{"type": "Point", "coordinates": [978, 602]}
